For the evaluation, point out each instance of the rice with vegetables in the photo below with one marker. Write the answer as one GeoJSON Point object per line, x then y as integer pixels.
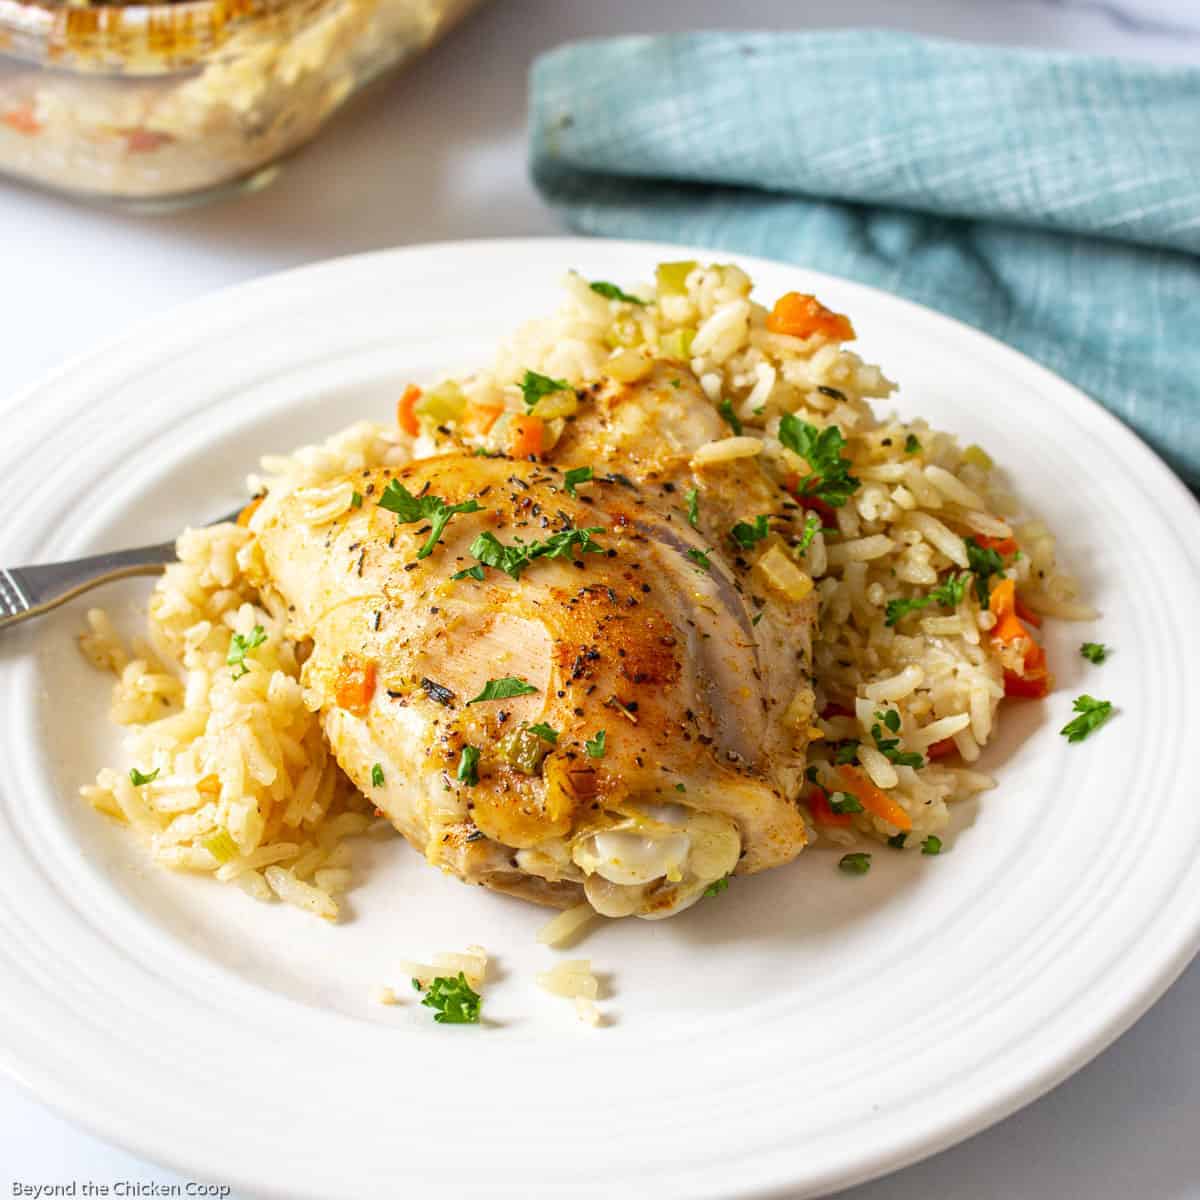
{"type": "Point", "coordinates": [930, 584]}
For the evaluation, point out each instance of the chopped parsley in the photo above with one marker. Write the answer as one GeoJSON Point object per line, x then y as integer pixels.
{"type": "Point", "coordinates": [855, 864]}
{"type": "Point", "coordinates": [610, 291]}
{"type": "Point", "coordinates": [138, 779]}
{"type": "Point", "coordinates": [545, 732]}
{"type": "Point", "coordinates": [948, 594]}
{"type": "Point", "coordinates": [830, 479]}
{"type": "Point", "coordinates": [812, 526]}
{"type": "Point", "coordinates": [535, 386]}
{"type": "Point", "coordinates": [454, 1001]}
{"type": "Point", "coordinates": [747, 535]}
{"type": "Point", "coordinates": [241, 645]}
{"type": "Point", "coordinates": [693, 503]}
{"type": "Point", "coordinates": [911, 445]}
{"type": "Point", "coordinates": [889, 747]}
{"type": "Point", "coordinates": [576, 475]}
{"type": "Point", "coordinates": [725, 408]}
{"type": "Point", "coordinates": [679, 787]}
{"type": "Point", "coordinates": [717, 886]}
{"type": "Point", "coordinates": [700, 559]}
{"type": "Point", "coordinates": [595, 746]}
{"type": "Point", "coordinates": [1092, 714]}
{"type": "Point", "coordinates": [985, 563]}
{"type": "Point", "coordinates": [512, 560]}
{"type": "Point", "coordinates": [409, 509]}
{"type": "Point", "coordinates": [846, 752]}
{"type": "Point", "coordinates": [468, 766]}
{"type": "Point", "coordinates": [503, 689]}
{"type": "Point", "coordinates": [843, 802]}
{"type": "Point", "coordinates": [1094, 652]}
{"type": "Point", "coordinates": [932, 844]}
{"type": "Point", "coordinates": [897, 840]}
{"type": "Point", "coordinates": [377, 776]}
{"type": "Point", "coordinates": [356, 499]}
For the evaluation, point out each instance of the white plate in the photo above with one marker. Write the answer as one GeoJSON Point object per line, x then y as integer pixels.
{"type": "Point", "coordinates": [805, 1031]}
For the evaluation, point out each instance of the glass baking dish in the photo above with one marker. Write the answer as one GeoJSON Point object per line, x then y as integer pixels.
{"type": "Point", "coordinates": [153, 105]}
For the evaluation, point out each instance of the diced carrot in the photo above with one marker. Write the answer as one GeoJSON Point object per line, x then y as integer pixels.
{"type": "Point", "coordinates": [479, 418]}
{"type": "Point", "coordinates": [942, 749]}
{"type": "Point", "coordinates": [1004, 546]}
{"type": "Point", "coordinates": [527, 436]}
{"type": "Point", "coordinates": [1033, 679]}
{"type": "Point", "coordinates": [818, 804]}
{"type": "Point", "coordinates": [406, 417]}
{"type": "Point", "coordinates": [802, 315]}
{"type": "Point", "coordinates": [243, 518]}
{"type": "Point", "coordinates": [22, 120]}
{"type": "Point", "coordinates": [355, 685]}
{"type": "Point", "coordinates": [878, 803]}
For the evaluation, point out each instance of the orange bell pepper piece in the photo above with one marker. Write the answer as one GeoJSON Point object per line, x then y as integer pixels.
{"type": "Point", "coordinates": [527, 436]}
{"type": "Point", "coordinates": [801, 315]}
{"type": "Point", "coordinates": [406, 416]}
{"type": "Point", "coordinates": [1033, 679]}
{"type": "Point", "coordinates": [355, 685]}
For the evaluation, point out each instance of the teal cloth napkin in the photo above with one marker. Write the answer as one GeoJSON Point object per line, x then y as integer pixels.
{"type": "Point", "coordinates": [1050, 199]}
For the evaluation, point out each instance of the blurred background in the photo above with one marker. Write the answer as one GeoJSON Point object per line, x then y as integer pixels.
{"type": "Point", "coordinates": [438, 152]}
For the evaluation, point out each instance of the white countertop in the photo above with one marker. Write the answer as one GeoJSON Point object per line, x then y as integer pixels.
{"type": "Point", "coordinates": [438, 153]}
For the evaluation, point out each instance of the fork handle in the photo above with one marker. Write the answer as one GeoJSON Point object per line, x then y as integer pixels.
{"type": "Point", "coordinates": [30, 591]}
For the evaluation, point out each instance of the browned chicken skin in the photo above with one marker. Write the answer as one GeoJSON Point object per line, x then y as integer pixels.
{"type": "Point", "coordinates": [656, 635]}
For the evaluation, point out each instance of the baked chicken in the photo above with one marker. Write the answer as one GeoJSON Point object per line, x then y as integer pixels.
{"type": "Point", "coordinates": [566, 687]}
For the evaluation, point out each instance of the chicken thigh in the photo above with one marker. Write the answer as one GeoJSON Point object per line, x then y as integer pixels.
{"type": "Point", "coordinates": [577, 690]}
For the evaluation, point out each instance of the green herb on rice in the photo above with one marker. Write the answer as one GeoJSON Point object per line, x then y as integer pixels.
{"type": "Point", "coordinates": [139, 780]}
{"type": "Point", "coordinates": [911, 445]}
{"type": "Point", "coordinates": [889, 747]}
{"type": "Point", "coordinates": [843, 802]}
{"type": "Point", "coordinates": [985, 562]}
{"type": "Point", "coordinates": [846, 753]}
{"type": "Point", "coordinates": [453, 1000]}
{"type": "Point", "coordinates": [829, 478]}
{"type": "Point", "coordinates": [1094, 652]}
{"type": "Point", "coordinates": [1092, 714]}
{"type": "Point", "coordinates": [610, 291]}
{"type": "Point", "coordinates": [239, 646]}
{"type": "Point", "coordinates": [535, 386]}
{"type": "Point", "coordinates": [812, 526]}
{"type": "Point", "coordinates": [932, 844]}
{"type": "Point", "coordinates": [948, 594]}
{"type": "Point", "coordinates": [725, 408]}
{"type": "Point", "coordinates": [356, 499]}
{"type": "Point", "coordinates": [897, 840]}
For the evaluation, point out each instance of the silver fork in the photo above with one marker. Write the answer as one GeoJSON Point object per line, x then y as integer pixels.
{"type": "Point", "coordinates": [30, 591]}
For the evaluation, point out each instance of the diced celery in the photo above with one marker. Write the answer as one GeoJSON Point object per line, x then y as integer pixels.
{"type": "Point", "coordinates": [677, 343]}
{"type": "Point", "coordinates": [445, 402]}
{"type": "Point", "coordinates": [220, 845]}
{"type": "Point", "coordinates": [672, 277]}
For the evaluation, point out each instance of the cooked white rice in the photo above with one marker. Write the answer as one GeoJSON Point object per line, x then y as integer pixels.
{"type": "Point", "coordinates": [246, 788]}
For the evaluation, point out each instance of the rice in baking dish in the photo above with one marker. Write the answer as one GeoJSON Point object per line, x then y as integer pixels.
{"type": "Point", "coordinates": [929, 580]}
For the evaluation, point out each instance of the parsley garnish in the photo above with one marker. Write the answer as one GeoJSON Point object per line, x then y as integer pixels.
{"type": "Point", "coordinates": [240, 646]}
{"type": "Point", "coordinates": [454, 1001]}
{"type": "Point", "coordinates": [843, 802]}
{"type": "Point", "coordinates": [1094, 652]}
{"type": "Point", "coordinates": [576, 475]}
{"type": "Point", "coordinates": [610, 291]}
{"type": "Point", "coordinates": [717, 886]}
{"type": "Point", "coordinates": [847, 752]}
{"type": "Point", "coordinates": [830, 479]}
{"type": "Point", "coordinates": [409, 509]}
{"type": "Point", "coordinates": [356, 499]}
{"type": "Point", "coordinates": [812, 526]}
{"type": "Point", "coordinates": [475, 572]}
{"type": "Point", "coordinates": [535, 386]}
{"type": "Point", "coordinates": [985, 563]}
{"type": "Point", "coordinates": [948, 594]}
{"type": "Point", "coordinates": [693, 503]}
{"type": "Point", "coordinates": [377, 776]}
{"type": "Point", "coordinates": [138, 779]}
{"type": "Point", "coordinates": [468, 766]}
{"type": "Point", "coordinates": [725, 408]}
{"type": "Point", "coordinates": [502, 689]}
{"type": "Point", "coordinates": [855, 864]}
{"type": "Point", "coordinates": [545, 733]}
{"type": "Point", "coordinates": [897, 840]}
{"type": "Point", "coordinates": [746, 535]}
{"type": "Point", "coordinates": [700, 559]}
{"type": "Point", "coordinates": [932, 844]}
{"type": "Point", "coordinates": [889, 747]}
{"type": "Point", "coordinates": [911, 445]}
{"type": "Point", "coordinates": [1092, 714]}
{"type": "Point", "coordinates": [595, 746]}
{"type": "Point", "coordinates": [679, 787]}
{"type": "Point", "coordinates": [512, 560]}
